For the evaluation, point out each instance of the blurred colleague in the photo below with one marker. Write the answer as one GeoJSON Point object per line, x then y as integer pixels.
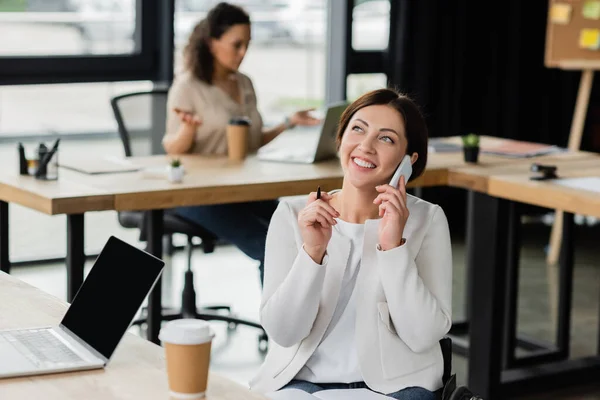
{"type": "Point", "coordinates": [202, 100]}
{"type": "Point", "coordinates": [358, 282]}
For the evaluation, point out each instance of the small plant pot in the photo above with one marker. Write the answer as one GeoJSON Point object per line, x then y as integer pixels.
{"type": "Point", "coordinates": [175, 174]}
{"type": "Point", "coordinates": [471, 154]}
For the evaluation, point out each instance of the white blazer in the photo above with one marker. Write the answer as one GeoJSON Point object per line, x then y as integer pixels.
{"type": "Point", "coordinates": [403, 309]}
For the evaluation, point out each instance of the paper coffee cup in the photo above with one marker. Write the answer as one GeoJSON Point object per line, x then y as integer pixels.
{"type": "Point", "coordinates": [238, 131]}
{"type": "Point", "coordinates": [187, 344]}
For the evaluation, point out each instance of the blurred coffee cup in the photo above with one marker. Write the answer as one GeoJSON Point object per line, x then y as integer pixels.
{"type": "Point", "coordinates": [238, 131]}
{"type": "Point", "coordinates": [187, 344]}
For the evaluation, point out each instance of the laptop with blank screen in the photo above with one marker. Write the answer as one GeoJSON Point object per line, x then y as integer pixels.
{"type": "Point", "coordinates": [306, 145]}
{"type": "Point", "coordinates": [93, 326]}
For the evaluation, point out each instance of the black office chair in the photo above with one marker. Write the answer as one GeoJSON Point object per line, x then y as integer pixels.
{"type": "Point", "coordinates": [450, 391]}
{"type": "Point", "coordinates": [140, 118]}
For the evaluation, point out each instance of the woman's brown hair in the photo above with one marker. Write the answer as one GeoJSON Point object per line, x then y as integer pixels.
{"type": "Point", "coordinates": [198, 57]}
{"type": "Point", "coordinates": [414, 122]}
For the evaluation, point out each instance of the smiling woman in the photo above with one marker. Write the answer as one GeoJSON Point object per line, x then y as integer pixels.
{"type": "Point", "coordinates": [401, 132]}
{"type": "Point", "coordinates": [202, 100]}
{"type": "Point", "coordinates": [358, 282]}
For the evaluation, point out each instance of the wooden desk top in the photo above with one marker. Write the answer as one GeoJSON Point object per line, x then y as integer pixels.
{"type": "Point", "coordinates": [137, 370]}
{"type": "Point", "coordinates": [211, 180]}
{"type": "Point", "coordinates": [476, 176]}
{"type": "Point", "coordinates": [208, 180]}
{"type": "Point", "coordinates": [217, 180]}
{"type": "Point", "coordinates": [68, 195]}
{"type": "Point", "coordinates": [519, 187]}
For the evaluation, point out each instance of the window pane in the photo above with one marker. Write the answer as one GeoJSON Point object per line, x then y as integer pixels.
{"type": "Point", "coordinates": [370, 24]}
{"type": "Point", "coordinates": [61, 109]}
{"type": "Point", "coordinates": [286, 59]}
{"type": "Point", "coordinates": [67, 27]}
{"type": "Point", "coordinates": [359, 84]}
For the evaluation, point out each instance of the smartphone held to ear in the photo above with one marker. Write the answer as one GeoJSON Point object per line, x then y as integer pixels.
{"type": "Point", "coordinates": [404, 169]}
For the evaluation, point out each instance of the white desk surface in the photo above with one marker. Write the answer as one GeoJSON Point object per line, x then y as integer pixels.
{"type": "Point", "coordinates": [136, 371]}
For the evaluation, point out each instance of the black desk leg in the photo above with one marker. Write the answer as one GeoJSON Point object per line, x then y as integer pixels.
{"type": "Point", "coordinates": [487, 294]}
{"type": "Point", "coordinates": [4, 243]}
{"type": "Point", "coordinates": [470, 258]}
{"type": "Point", "coordinates": [154, 223]}
{"type": "Point", "coordinates": [75, 254]}
{"type": "Point", "coordinates": [512, 284]}
{"type": "Point", "coordinates": [565, 288]}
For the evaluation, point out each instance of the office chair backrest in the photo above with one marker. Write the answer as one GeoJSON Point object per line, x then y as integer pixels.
{"type": "Point", "coordinates": [451, 391]}
{"type": "Point", "coordinates": [446, 345]}
{"type": "Point", "coordinates": [141, 121]}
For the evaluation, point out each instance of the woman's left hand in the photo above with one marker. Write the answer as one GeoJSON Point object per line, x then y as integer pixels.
{"type": "Point", "coordinates": [303, 118]}
{"type": "Point", "coordinates": [394, 213]}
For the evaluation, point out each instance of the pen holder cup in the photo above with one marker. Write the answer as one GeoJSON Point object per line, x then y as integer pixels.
{"type": "Point", "coordinates": [47, 167]}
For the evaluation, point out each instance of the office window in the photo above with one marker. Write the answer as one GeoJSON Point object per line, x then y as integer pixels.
{"type": "Point", "coordinates": [64, 41]}
{"type": "Point", "coordinates": [67, 27]}
{"type": "Point", "coordinates": [287, 56]}
{"type": "Point", "coordinates": [358, 84]}
{"type": "Point", "coordinates": [60, 108]}
{"type": "Point", "coordinates": [370, 24]}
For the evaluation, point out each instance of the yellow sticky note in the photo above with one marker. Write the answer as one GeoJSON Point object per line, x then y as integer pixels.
{"type": "Point", "coordinates": [560, 13]}
{"type": "Point", "coordinates": [589, 39]}
{"type": "Point", "coordinates": [591, 9]}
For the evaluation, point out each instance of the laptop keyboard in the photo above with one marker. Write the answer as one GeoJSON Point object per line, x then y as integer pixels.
{"type": "Point", "coordinates": [294, 142]}
{"type": "Point", "coordinates": [41, 347]}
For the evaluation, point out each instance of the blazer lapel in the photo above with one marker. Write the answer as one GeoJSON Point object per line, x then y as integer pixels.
{"type": "Point", "coordinates": [338, 252]}
{"type": "Point", "coordinates": [370, 242]}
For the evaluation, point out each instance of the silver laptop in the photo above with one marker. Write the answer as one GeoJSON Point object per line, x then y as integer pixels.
{"type": "Point", "coordinates": [94, 324]}
{"type": "Point", "coordinates": [306, 145]}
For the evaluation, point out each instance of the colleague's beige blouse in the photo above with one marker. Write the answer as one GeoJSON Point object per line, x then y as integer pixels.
{"type": "Point", "coordinates": [214, 107]}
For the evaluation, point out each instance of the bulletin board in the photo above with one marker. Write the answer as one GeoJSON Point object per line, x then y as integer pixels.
{"type": "Point", "coordinates": [573, 34]}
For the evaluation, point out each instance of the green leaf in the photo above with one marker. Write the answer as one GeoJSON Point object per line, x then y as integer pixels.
{"type": "Point", "coordinates": [470, 140]}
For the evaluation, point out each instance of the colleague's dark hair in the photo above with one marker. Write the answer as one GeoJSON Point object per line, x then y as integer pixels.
{"type": "Point", "coordinates": [414, 122]}
{"type": "Point", "coordinates": [198, 58]}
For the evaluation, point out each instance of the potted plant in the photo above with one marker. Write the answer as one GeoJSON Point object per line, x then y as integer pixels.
{"type": "Point", "coordinates": [175, 170]}
{"type": "Point", "coordinates": [471, 147]}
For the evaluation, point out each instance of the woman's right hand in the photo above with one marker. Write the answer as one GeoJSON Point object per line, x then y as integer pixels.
{"type": "Point", "coordinates": [188, 118]}
{"type": "Point", "coordinates": [316, 222]}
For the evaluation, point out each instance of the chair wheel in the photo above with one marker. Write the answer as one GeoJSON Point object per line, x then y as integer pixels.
{"type": "Point", "coordinates": [143, 330]}
{"type": "Point", "coordinates": [263, 343]}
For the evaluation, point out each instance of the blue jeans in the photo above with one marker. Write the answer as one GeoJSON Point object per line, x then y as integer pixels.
{"type": "Point", "coordinates": [410, 393]}
{"type": "Point", "coordinates": [244, 225]}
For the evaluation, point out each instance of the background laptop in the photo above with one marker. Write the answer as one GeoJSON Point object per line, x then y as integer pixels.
{"type": "Point", "coordinates": [94, 324]}
{"type": "Point", "coordinates": [306, 144]}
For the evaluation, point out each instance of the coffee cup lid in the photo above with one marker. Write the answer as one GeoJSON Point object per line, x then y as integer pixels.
{"type": "Point", "coordinates": [245, 121]}
{"type": "Point", "coordinates": [186, 331]}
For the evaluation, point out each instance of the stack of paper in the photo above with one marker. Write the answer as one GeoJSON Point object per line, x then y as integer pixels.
{"type": "Point", "coordinates": [591, 183]}
{"type": "Point", "coordinates": [519, 149]}
{"type": "Point", "coordinates": [442, 146]}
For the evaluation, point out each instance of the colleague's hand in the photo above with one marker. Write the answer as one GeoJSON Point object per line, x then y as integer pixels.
{"type": "Point", "coordinates": [303, 118]}
{"type": "Point", "coordinates": [188, 118]}
{"type": "Point", "coordinates": [394, 213]}
{"type": "Point", "coordinates": [316, 222]}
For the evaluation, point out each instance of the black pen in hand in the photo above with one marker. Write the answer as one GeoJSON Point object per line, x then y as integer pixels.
{"type": "Point", "coordinates": [318, 192]}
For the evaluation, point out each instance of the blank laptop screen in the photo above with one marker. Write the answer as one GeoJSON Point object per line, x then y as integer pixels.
{"type": "Point", "coordinates": [112, 293]}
